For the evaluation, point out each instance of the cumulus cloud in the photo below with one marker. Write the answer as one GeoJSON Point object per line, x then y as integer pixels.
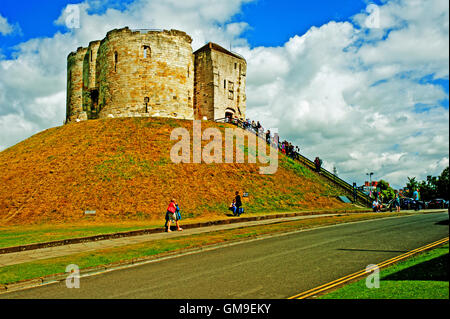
{"type": "Point", "coordinates": [363, 98]}
{"type": "Point", "coordinates": [357, 97]}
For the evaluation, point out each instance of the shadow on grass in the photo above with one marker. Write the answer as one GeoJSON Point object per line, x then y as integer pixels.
{"type": "Point", "coordinates": [442, 222]}
{"type": "Point", "coordinates": [435, 269]}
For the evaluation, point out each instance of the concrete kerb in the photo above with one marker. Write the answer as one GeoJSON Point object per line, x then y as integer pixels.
{"type": "Point", "coordinates": [91, 271]}
{"type": "Point", "coordinates": [69, 241]}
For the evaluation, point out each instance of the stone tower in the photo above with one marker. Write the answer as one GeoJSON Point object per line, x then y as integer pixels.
{"type": "Point", "coordinates": [219, 85]}
{"type": "Point", "coordinates": [153, 73]}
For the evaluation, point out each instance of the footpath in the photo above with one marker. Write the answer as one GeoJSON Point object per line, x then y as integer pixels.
{"type": "Point", "coordinates": [30, 255]}
{"type": "Point", "coordinates": [17, 255]}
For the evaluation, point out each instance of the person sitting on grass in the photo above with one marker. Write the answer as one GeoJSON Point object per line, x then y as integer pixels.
{"type": "Point", "coordinates": [233, 207]}
{"type": "Point", "coordinates": [376, 206]}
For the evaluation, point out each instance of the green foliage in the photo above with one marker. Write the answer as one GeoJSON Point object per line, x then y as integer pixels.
{"type": "Point", "coordinates": [387, 192]}
{"type": "Point", "coordinates": [433, 187]}
{"type": "Point", "coordinates": [412, 185]}
{"type": "Point", "coordinates": [442, 184]}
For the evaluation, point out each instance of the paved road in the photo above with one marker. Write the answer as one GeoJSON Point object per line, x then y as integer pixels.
{"type": "Point", "coordinates": [277, 267]}
{"type": "Point", "coordinates": [52, 252]}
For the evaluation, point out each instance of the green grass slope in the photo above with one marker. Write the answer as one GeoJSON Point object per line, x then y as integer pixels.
{"type": "Point", "coordinates": [121, 168]}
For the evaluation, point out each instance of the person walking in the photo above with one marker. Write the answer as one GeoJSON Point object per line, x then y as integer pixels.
{"type": "Point", "coordinates": [397, 202]}
{"type": "Point", "coordinates": [238, 204]}
{"type": "Point", "coordinates": [416, 199]}
{"type": "Point", "coordinates": [318, 163]}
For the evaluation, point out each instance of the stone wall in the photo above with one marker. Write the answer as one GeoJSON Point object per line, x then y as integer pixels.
{"type": "Point", "coordinates": [203, 85]}
{"type": "Point", "coordinates": [146, 74]}
{"type": "Point", "coordinates": [74, 110]}
{"type": "Point", "coordinates": [229, 73]}
{"type": "Point", "coordinates": [219, 83]}
{"type": "Point", "coordinates": [90, 89]}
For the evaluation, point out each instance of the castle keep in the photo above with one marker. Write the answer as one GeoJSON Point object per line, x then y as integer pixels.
{"type": "Point", "coordinates": [154, 73]}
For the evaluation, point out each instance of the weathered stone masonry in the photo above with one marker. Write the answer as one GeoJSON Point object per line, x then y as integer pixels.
{"type": "Point", "coordinates": [154, 73]}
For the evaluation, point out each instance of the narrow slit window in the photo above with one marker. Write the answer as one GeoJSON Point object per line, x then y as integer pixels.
{"type": "Point", "coordinates": [115, 61]}
{"type": "Point", "coordinates": [147, 52]}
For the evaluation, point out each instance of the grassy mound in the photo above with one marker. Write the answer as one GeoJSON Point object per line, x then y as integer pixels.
{"type": "Point", "coordinates": [121, 168]}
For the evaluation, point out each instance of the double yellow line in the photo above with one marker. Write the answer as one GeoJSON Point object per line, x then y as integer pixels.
{"type": "Point", "coordinates": [363, 272]}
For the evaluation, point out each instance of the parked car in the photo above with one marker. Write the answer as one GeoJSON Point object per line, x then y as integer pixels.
{"type": "Point", "coordinates": [438, 203]}
{"type": "Point", "coordinates": [409, 203]}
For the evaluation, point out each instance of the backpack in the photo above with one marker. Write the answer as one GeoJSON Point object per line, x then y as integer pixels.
{"type": "Point", "coordinates": [177, 213]}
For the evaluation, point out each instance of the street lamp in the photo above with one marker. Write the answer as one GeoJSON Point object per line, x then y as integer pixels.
{"type": "Point", "coordinates": [370, 177]}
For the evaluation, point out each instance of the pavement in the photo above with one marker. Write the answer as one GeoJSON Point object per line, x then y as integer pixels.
{"type": "Point", "coordinates": [277, 267]}
{"type": "Point", "coordinates": [14, 258]}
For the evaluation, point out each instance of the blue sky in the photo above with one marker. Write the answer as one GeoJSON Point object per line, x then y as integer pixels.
{"type": "Point", "coordinates": [272, 23]}
{"type": "Point", "coordinates": [362, 98]}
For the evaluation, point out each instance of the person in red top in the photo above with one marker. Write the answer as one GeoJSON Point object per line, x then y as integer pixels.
{"type": "Point", "coordinates": [170, 215]}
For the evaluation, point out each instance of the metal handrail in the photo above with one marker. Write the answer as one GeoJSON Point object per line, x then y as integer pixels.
{"type": "Point", "coordinates": [310, 164]}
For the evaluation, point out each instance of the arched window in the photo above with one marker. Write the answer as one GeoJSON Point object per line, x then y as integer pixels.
{"type": "Point", "coordinates": [116, 59]}
{"type": "Point", "coordinates": [147, 52]}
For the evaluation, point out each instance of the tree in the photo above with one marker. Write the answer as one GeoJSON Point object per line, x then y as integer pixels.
{"type": "Point", "coordinates": [428, 188]}
{"type": "Point", "coordinates": [412, 185]}
{"type": "Point", "coordinates": [387, 192]}
{"type": "Point", "coordinates": [442, 184]}
{"type": "Point", "coordinates": [433, 187]}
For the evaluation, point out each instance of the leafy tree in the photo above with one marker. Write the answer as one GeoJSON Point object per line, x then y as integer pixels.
{"type": "Point", "coordinates": [387, 192]}
{"type": "Point", "coordinates": [433, 187]}
{"type": "Point", "coordinates": [412, 185]}
{"type": "Point", "coordinates": [428, 188]}
{"type": "Point", "coordinates": [442, 184]}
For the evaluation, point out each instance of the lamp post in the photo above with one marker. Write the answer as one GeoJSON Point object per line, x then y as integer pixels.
{"type": "Point", "coordinates": [370, 177]}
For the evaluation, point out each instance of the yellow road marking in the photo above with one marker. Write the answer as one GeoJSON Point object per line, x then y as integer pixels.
{"type": "Point", "coordinates": [360, 273]}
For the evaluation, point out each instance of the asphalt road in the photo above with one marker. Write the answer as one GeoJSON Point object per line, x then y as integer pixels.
{"type": "Point", "coordinates": [277, 267]}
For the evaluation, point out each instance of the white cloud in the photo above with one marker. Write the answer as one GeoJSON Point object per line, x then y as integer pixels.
{"type": "Point", "coordinates": [353, 97]}
{"type": "Point", "coordinates": [7, 28]}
